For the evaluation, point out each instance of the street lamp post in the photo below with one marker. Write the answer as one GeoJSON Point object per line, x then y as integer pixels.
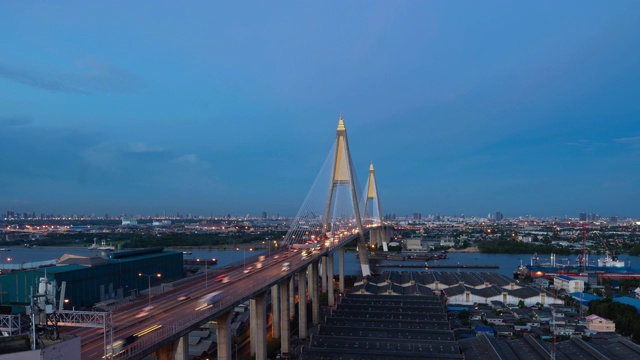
{"type": "Point", "coordinates": [149, 289]}
{"type": "Point", "coordinates": [244, 256]}
{"type": "Point", "coordinates": [206, 279]}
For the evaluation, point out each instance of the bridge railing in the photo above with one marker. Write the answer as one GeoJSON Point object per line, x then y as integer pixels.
{"type": "Point", "coordinates": [149, 342]}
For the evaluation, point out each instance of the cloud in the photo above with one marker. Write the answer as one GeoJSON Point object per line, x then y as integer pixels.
{"type": "Point", "coordinates": [90, 76]}
{"type": "Point", "coordinates": [586, 145]}
{"type": "Point", "coordinates": [34, 79]}
{"type": "Point", "coordinates": [190, 160]}
{"type": "Point", "coordinates": [140, 147]}
{"type": "Point", "coordinates": [635, 140]}
{"type": "Point", "coordinates": [100, 77]}
{"type": "Point", "coordinates": [14, 121]}
{"type": "Point", "coordinates": [112, 155]}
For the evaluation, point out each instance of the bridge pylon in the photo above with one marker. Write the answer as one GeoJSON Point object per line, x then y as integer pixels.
{"type": "Point", "coordinates": [342, 175]}
{"type": "Point", "coordinates": [372, 212]}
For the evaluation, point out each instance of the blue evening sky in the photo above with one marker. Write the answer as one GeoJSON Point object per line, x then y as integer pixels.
{"type": "Point", "coordinates": [204, 107]}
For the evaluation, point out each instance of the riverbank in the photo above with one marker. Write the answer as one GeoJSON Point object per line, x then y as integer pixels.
{"type": "Point", "coordinates": [471, 249]}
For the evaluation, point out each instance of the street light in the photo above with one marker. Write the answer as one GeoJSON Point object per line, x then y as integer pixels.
{"type": "Point", "coordinates": [244, 256]}
{"type": "Point", "coordinates": [206, 279]}
{"type": "Point", "coordinates": [149, 289]}
{"type": "Point", "coordinates": [2, 266]}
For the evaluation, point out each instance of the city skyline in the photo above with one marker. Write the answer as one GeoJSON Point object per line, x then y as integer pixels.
{"type": "Point", "coordinates": [212, 109]}
{"type": "Point", "coordinates": [11, 215]}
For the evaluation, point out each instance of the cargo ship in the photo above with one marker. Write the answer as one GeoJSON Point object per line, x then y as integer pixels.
{"type": "Point", "coordinates": [608, 266]}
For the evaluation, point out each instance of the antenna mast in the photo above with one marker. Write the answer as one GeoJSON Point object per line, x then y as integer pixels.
{"type": "Point", "coordinates": [584, 248]}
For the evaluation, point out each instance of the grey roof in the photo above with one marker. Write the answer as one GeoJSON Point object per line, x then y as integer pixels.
{"type": "Point", "coordinates": [454, 290]}
{"type": "Point", "coordinates": [530, 348]}
{"type": "Point", "coordinates": [399, 324]}
{"type": "Point", "coordinates": [484, 347]}
{"type": "Point", "coordinates": [393, 348]}
{"type": "Point", "coordinates": [70, 259]}
{"type": "Point", "coordinates": [381, 323]}
{"type": "Point", "coordinates": [367, 332]}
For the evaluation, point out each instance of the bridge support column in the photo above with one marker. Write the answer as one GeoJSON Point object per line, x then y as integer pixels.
{"type": "Point", "coordinates": [284, 316]}
{"type": "Point", "coordinates": [252, 326]}
{"type": "Point", "coordinates": [258, 326]}
{"type": "Point", "coordinates": [323, 271]}
{"type": "Point", "coordinates": [224, 337]}
{"type": "Point", "coordinates": [302, 305]}
{"type": "Point", "coordinates": [362, 253]}
{"type": "Point", "coordinates": [330, 279]}
{"type": "Point", "coordinates": [315, 299]}
{"type": "Point", "coordinates": [377, 236]}
{"type": "Point", "coordinates": [177, 350]}
{"type": "Point", "coordinates": [341, 268]}
{"type": "Point", "coordinates": [292, 298]}
{"type": "Point", "coordinates": [310, 279]}
{"type": "Point", "coordinates": [275, 311]}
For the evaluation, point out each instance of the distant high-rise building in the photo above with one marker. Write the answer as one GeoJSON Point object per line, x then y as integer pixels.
{"type": "Point", "coordinates": [499, 216]}
{"type": "Point", "coordinates": [583, 216]}
{"type": "Point", "coordinates": [417, 216]}
{"type": "Point", "coordinates": [264, 214]}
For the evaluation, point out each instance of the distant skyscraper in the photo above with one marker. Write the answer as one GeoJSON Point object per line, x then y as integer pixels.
{"type": "Point", "coordinates": [499, 216]}
{"type": "Point", "coordinates": [417, 216]}
{"type": "Point", "coordinates": [583, 216]}
{"type": "Point", "coordinates": [264, 214]}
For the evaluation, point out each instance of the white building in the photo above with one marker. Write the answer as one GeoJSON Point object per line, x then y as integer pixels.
{"type": "Point", "coordinates": [414, 244]}
{"type": "Point", "coordinates": [465, 295]}
{"type": "Point", "coordinates": [568, 284]}
{"type": "Point", "coordinates": [129, 222]}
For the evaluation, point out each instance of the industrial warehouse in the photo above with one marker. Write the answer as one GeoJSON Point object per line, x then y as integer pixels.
{"type": "Point", "coordinates": [86, 281]}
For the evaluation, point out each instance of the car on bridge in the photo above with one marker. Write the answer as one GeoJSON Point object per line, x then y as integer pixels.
{"type": "Point", "coordinates": [209, 299]}
{"type": "Point", "coordinates": [145, 311]}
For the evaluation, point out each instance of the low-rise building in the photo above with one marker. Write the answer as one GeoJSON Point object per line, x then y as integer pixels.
{"type": "Point", "coordinates": [600, 324]}
{"type": "Point", "coordinates": [568, 284]}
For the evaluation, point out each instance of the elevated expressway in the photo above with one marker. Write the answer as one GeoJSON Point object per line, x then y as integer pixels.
{"type": "Point", "coordinates": [163, 330]}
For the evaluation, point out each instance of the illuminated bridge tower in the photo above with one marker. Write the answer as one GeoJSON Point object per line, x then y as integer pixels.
{"type": "Point", "coordinates": [372, 212]}
{"type": "Point", "coordinates": [342, 176]}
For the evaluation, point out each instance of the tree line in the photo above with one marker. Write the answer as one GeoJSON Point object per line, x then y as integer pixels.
{"type": "Point", "coordinates": [625, 317]}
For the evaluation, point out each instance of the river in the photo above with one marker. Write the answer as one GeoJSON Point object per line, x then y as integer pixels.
{"type": "Point", "coordinates": [507, 262]}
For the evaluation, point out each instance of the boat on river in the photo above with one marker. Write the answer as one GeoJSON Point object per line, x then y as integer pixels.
{"type": "Point", "coordinates": [604, 267]}
{"type": "Point", "coordinates": [102, 247]}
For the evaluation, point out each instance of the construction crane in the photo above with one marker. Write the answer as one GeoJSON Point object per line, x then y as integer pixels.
{"type": "Point", "coordinates": [610, 253]}
{"type": "Point", "coordinates": [582, 258]}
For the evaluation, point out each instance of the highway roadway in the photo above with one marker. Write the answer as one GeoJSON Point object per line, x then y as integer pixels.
{"type": "Point", "coordinates": [170, 316]}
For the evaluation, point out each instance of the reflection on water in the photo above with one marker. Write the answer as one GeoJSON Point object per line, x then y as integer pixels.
{"type": "Point", "coordinates": [507, 262]}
